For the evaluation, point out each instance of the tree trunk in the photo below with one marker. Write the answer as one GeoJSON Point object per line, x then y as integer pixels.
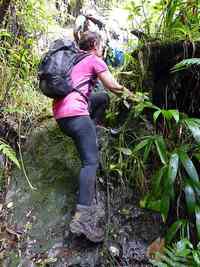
{"type": "Point", "coordinates": [75, 7]}
{"type": "Point", "coordinates": [4, 6]}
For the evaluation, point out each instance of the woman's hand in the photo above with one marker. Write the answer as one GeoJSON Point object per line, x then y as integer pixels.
{"type": "Point", "coordinates": [127, 94]}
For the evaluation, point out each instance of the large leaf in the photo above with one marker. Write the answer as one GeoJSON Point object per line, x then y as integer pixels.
{"type": "Point", "coordinates": [197, 214]}
{"type": "Point", "coordinates": [166, 114]}
{"type": "Point", "coordinates": [195, 185]}
{"type": "Point", "coordinates": [196, 256]}
{"type": "Point", "coordinates": [194, 127]}
{"type": "Point", "coordinates": [156, 181]}
{"type": "Point", "coordinates": [161, 148]}
{"type": "Point", "coordinates": [175, 114]}
{"type": "Point", "coordinates": [147, 150]}
{"type": "Point", "coordinates": [188, 165]}
{"type": "Point", "coordinates": [190, 198]}
{"type": "Point", "coordinates": [153, 205]}
{"type": "Point", "coordinates": [171, 232]}
{"type": "Point", "coordinates": [156, 114]}
{"type": "Point", "coordinates": [168, 185]}
{"type": "Point", "coordinates": [195, 132]}
{"type": "Point", "coordinates": [196, 155]}
{"type": "Point", "coordinates": [173, 167]}
{"type": "Point", "coordinates": [149, 203]}
{"type": "Point", "coordinates": [164, 207]}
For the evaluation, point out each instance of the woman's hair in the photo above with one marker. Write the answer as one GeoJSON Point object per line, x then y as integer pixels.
{"type": "Point", "coordinates": [88, 40]}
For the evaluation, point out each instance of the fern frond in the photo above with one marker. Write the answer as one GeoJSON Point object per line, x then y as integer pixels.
{"type": "Point", "coordinates": [180, 254]}
{"type": "Point", "coordinates": [7, 151]}
{"type": "Point", "coordinates": [184, 64]}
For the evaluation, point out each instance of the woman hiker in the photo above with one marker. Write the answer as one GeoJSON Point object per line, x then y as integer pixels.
{"type": "Point", "coordinates": [73, 117]}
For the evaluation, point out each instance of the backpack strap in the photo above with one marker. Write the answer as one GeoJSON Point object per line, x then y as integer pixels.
{"type": "Point", "coordinates": [80, 57]}
{"type": "Point", "coordinates": [81, 85]}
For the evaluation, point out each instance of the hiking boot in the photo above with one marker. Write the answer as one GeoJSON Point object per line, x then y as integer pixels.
{"type": "Point", "coordinates": [86, 221]}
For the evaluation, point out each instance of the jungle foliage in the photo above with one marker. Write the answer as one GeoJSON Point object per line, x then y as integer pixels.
{"type": "Point", "coordinates": [166, 20]}
{"type": "Point", "coordinates": [158, 153]}
{"type": "Point", "coordinates": [162, 157]}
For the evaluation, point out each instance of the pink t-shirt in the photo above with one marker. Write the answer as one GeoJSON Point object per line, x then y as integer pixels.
{"type": "Point", "coordinates": [75, 104]}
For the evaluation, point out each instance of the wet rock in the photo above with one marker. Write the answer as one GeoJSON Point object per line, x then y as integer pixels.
{"type": "Point", "coordinates": [26, 263]}
{"type": "Point", "coordinates": [55, 250]}
{"type": "Point", "coordinates": [2, 161]}
{"type": "Point", "coordinates": [114, 251]}
{"type": "Point", "coordinates": [114, 248]}
{"type": "Point", "coordinates": [87, 258]}
{"type": "Point", "coordinates": [52, 165]}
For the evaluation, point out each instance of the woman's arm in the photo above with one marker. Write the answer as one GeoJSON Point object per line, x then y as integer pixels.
{"type": "Point", "coordinates": [110, 83]}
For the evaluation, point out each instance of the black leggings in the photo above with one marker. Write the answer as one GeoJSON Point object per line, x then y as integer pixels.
{"type": "Point", "coordinates": [82, 130]}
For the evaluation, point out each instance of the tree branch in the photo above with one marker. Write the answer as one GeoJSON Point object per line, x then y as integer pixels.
{"type": "Point", "coordinates": [4, 6]}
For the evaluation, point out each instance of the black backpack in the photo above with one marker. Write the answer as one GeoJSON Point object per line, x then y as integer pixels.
{"type": "Point", "coordinates": [55, 69]}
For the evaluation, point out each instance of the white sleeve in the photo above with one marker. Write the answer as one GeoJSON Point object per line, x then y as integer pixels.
{"type": "Point", "coordinates": [79, 23]}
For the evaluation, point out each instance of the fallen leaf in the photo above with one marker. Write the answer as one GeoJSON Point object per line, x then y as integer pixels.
{"type": "Point", "coordinates": [157, 246]}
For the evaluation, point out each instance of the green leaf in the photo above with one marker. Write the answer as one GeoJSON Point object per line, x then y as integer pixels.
{"type": "Point", "coordinates": [197, 155]}
{"type": "Point", "coordinates": [190, 198]}
{"type": "Point", "coordinates": [164, 207]}
{"type": "Point", "coordinates": [183, 247]}
{"type": "Point", "coordinates": [153, 205]}
{"type": "Point", "coordinates": [196, 256]}
{"type": "Point", "coordinates": [185, 63]}
{"type": "Point", "coordinates": [196, 133]}
{"type": "Point", "coordinates": [156, 114]}
{"type": "Point", "coordinates": [147, 150]}
{"type": "Point", "coordinates": [175, 114]}
{"type": "Point", "coordinates": [188, 165]}
{"type": "Point", "coordinates": [166, 114]}
{"type": "Point", "coordinates": [126, 151]}
{"type": "Point", "coordinates": [161, 148]}
{"type": "Point", "coordinates": [114, 167]}
{"type": "Point", "coordinates": [168, 187]}
{"type": "Point", "coordinates": [197, 214]}
{"type": "Point", "coordinates": [173, 167]}
{"type": "Point", "coordinates": [4, 33]}
{"type": "Point", "coordinates": [194, 128]}
{"type": "Point", "coordinates": [141, 145]}
{"type": "Point", "coordinates": [195, 120]}
{"type": "Point", "coordinates": [171, 232]}
{"type": "Point", "coordinates": [149, 203]}
{"type": "Point", "coordinates": [156, 180]}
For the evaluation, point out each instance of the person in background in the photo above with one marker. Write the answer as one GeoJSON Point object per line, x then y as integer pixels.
{"type": "Point", "coordinates": [89, 21]}
{"type": "Point", "coordinates": [113, 53]}
{"type": "Point", "coordinates": [73, 117]}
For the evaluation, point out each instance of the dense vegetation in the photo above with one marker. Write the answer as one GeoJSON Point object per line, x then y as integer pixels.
{"type": "Point", "coordinates": [161, 157]}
